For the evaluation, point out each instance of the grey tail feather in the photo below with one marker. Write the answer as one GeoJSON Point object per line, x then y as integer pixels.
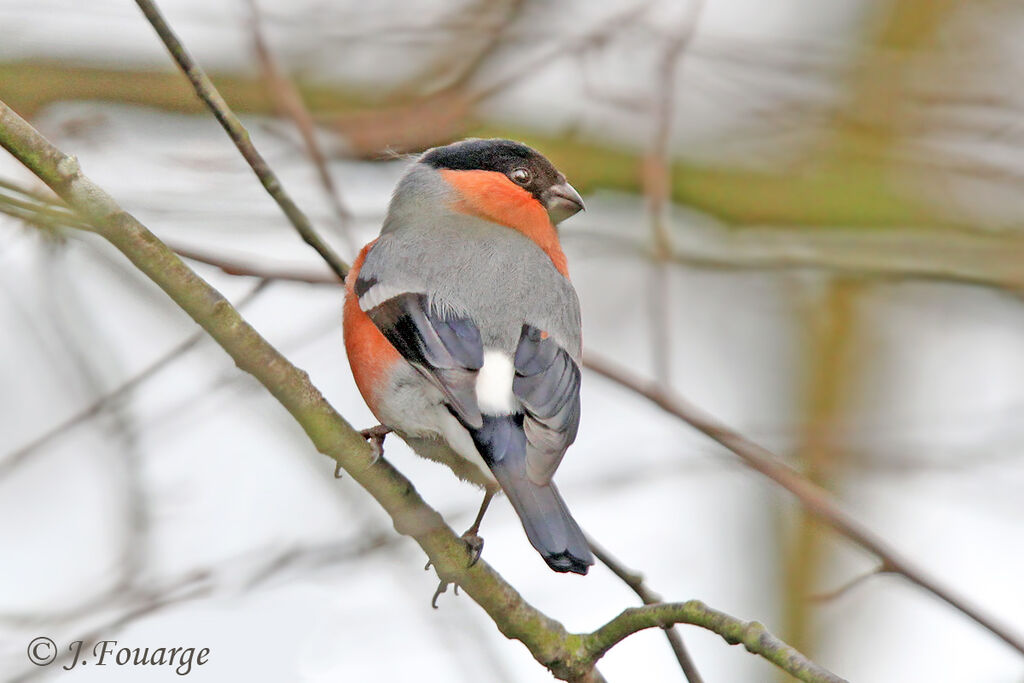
{"type": "Point", "coordinates": [546, 519]}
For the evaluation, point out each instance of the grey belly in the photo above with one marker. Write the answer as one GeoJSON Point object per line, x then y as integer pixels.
{"type": "Point", "coordinates": [415, 409]}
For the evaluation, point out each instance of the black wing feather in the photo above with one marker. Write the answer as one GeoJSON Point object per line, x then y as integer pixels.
{"type": "Point", "coordinates": [446, 349]}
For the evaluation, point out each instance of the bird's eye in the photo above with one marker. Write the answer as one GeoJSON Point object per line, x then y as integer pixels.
{"type": "Point", "coordinates": [521, 176]}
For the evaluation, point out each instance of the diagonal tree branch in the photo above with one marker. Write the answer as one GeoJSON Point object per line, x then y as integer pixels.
{"type": "Point", "coordinates": [240, 136]}
{"type": "Point", "coordinates": [569, 656]}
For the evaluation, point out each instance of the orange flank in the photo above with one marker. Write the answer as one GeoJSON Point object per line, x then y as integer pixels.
{"type": "Point", "coordinates": [370, 354]}
{"type": "Point", "coordinates": [492, 196]}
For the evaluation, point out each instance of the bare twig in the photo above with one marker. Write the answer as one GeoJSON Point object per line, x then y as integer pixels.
{"type": "Point", "coordinates": [815, 499]}
{"type": "Point", "coordinates": [636, 582]}
{"type": "Point", "coordinates": [600, 33]}
{"type": "Point", "coordinates": [206, 91]}
{"type": "Point", "coordinates": [288, 100]}
{"type": "Point", "coordinates": [484, 28]}
{"type": "Point", "coordinates": [992, 261]}
{"type": "Point", "coordinates": [658, 164]}
{"type": "Point", "coordinates": [18, 198]}
{"type": "Point", "coordinates": [233, 267]}
{"type": "Point", "coordinates": [657, 181]}
{"type": "Point", "coordinates": [33, 217]}
{"type": "Point", "coordinates": [849, 585]}
{"type": "Point", "coordinates": [754, 636]}
{"type": "Point", "coordinates": [657, 184]}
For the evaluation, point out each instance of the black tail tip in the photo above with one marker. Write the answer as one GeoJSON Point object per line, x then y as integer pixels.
{"type": "Point", "coordinates": [564, 562]}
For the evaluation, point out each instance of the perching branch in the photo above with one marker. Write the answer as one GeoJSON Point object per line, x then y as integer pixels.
{"type": "Point", "coordinates": [569, 656]}
{"type": "Point", "coordinates": [205, 89]}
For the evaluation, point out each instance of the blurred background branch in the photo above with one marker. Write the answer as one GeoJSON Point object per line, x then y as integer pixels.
{"type": "Point", "coordinates": [207, 92]}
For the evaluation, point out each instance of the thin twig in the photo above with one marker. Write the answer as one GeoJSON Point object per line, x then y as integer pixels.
{"type": "Point", "coordinates": [636, 583]}
{"type": "Point", "coordinates": [815, 499]}
{"type": "Point", "coordinates": [233, 267]}
{"type": "Point", "coordinates": [34, 217]}
{"type": "Point", "coordinates": [570, 45]}
{"type": "Point", "coordinates": [849, 585]}
{"type": "Point", "coordinates": [751, 634]}
{"type": "Point", "coordinates": [657, 181]}
{"type": "Point", "coordinates": [19, 198]}
{"type": "Point", "coordinates": [206, 91]}
{"type": "Point", "coordinates": [658, 165]}
{"type": "Point", "coordinates": [288, 100]}
{"type": "Point", "coordinates": [657, 189]}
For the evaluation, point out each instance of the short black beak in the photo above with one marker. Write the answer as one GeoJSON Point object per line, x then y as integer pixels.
{"type": "Point", "coordinates": [562, 201]}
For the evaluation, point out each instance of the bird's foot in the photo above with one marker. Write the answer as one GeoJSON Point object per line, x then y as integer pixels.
{"type": "Point", "coordinates": [475, 544]}
{"type": "Point", "coordinates": [375, 435]}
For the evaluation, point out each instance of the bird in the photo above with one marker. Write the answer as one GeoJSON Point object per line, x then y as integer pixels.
{"type": "Point", "coordinates": [463, 333]}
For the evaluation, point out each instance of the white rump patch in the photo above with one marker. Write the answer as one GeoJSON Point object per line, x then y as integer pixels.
{"type": "Point", "coordinates": [494, 384]}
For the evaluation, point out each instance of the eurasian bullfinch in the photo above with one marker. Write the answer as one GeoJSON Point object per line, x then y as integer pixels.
{"type": "Point", "coordinates": [463, 330]}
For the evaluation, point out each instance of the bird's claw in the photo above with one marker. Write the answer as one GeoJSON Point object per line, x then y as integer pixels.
{"type": "Point", "coordinates": [441, 588]}
{"type": "Point", "coordinates": [375, 435]}
{"type": "Point", "coordinates": [475, 544]}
